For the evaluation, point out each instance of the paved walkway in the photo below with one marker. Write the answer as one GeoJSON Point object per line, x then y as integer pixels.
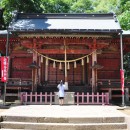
{"type": "Point", "coordinates": [63, 111]}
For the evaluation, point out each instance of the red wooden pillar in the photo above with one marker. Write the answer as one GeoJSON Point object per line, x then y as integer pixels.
{"type": "Point", "coordinates": [94, 71]}
{"type": "Point", "coordinates": [42, 69]}
{"type": "Point", "coordinates": [39, 69]}
{"type": "Point", "coordinates": [46, 70]}
{"type": "Point", "coordinates": [66, 76]}
{"type": "Point", "coordinates": [34, 70]}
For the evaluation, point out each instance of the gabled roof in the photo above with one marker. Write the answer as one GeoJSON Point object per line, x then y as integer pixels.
{"type": "Point", "coordinates": [62, 23]}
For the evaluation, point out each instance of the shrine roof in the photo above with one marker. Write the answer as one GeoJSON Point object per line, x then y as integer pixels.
{"type": "Point", "coordinates": [3, 32]}
{"type": "Point", "coordinates": [61, 23]}
{"type": "Point", "coordinates": [126, 32]}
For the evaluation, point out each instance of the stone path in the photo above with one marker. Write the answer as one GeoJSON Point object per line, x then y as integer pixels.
{"type": "Point", "coordinates": [63, 111]}
{"type": "Point", "coordinates": [66, 111]}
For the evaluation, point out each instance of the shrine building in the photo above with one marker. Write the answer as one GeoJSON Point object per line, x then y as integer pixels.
{"type": "Point", "coordinates": [83, 50]}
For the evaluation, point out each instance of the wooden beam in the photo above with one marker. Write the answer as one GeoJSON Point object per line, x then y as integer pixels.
{"type": "Point", "coordinates": [13, 54]}
{"type": "Point", "coordinates": [70, 51]}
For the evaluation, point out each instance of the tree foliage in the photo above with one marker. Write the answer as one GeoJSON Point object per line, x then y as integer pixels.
{"type": "Point", "coordinates": [82, 6]}
{"type": "Point", "coordinates": [124, 19]}
{"type": "Point", "coordinates": [28, 6]}
{"type": "Point", "coordinates": [106, 6]}
{"type": "Point", "coordinates": [55, 6]}
{"type": "Point", "coordinates": [120, 7]}
{"type": "Point", "coordinates": [124, 16]}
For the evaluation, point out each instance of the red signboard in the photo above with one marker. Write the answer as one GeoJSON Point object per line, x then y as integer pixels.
{"type": "Point", "coordinates": [122, 80]}
{"type": "Point", "coordinates": [4, 68]}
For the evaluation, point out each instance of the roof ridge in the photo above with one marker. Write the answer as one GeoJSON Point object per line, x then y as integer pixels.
{"type": "Point", "coordinates": [66, 15]}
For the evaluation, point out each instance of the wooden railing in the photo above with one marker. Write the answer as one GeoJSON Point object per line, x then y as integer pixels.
{"type": "Point", "coordinates": [49, 98]}
{"type": "Point", "coordinates": [18, 81]}
{"type": "Point", "coordinates": [35, 98]}
{"type": "Point", "coordinates": [108, 82]}
{"type": "Point", "coordinates": [112, 82]}
{"type": "Point", "coordinates": [92, 98]}
{"type": "Point", "coordinates": [18, 84]}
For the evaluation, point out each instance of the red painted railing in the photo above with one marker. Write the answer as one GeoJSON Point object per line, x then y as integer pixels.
{"type": "Point", "coordinates": [92, 98]}
{"type": "Point", "coordinates": [49, 98]}
{"type": "Point", "coordinates": [35, 98]}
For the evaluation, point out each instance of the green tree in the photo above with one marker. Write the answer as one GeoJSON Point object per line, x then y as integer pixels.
{"type": "Point", "coordinates": [55, 6]}
{"type": "Point", "coordinates": [106, 6]}
{"type": "Point", "coordinates": [120, 7]}
{"type": "Point", "coordinates": [81, 6]}
{"type": "Point", "coordinates": [124, 19]}
{"type": "Point", "coordinates": [27, 6]}
{"type": "Point", "coordinates": [124, 16]}
{"type": "Point", "coordinates": [124, 5]}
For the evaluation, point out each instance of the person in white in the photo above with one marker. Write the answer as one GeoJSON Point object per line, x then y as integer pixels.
{"type": "Point", "coordinates": [61, 92]}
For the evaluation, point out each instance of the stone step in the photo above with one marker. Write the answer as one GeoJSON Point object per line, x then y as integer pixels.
{"type": "Point", "coordinates": [11, 129]}
{"type": "Point", "coordinates": [64, 119]}
{"type": "Point", "coordinates": [63, 126]}
{"type": "Point", "coordinates": [39, 129]}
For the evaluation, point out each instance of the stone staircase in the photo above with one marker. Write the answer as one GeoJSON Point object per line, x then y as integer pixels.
{"type": "Point", "coordinates": [62, 123]}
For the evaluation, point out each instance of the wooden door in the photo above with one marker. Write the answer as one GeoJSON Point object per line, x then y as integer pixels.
{"type": "Point", "coordinates": [75, 75]}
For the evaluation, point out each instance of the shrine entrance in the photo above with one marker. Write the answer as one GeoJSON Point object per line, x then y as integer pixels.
{"type": "Point", "coordinates": [76, 74]}
{"type": "Point", "coordinates": [49, 59]}
{"type": "Point", "coordinates": [61, 58]}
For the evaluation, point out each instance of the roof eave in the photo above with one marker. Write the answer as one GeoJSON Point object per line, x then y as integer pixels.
{"type": "Point", "coordinates": [68, 30]}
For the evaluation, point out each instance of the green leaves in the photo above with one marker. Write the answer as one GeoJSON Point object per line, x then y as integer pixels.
{"type": "Point", "coordinates": [124, 16]}
{"type": "Point", "coordinates": [120, 7]}
{"type": "Point", "coordinates": [81, 6]}
{"type": "Point", "coordinates": [55, 6]}
{"type": "Point", "coordinates": [27, 6]}
{"type": "Point", "coordinates": [106, 6]}
{"type": "Point", "coordinates": [124, 19]}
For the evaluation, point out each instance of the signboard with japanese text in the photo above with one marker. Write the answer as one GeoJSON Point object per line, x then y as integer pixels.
{"type": "Point", "coordinates": [4, 68]}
